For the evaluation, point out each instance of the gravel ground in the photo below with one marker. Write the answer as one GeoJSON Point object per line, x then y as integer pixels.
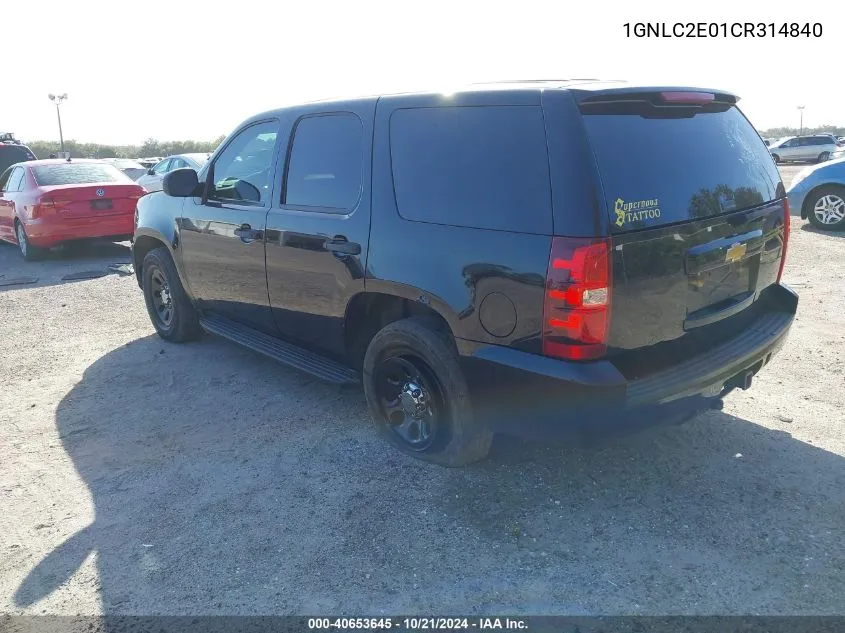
{"type": "Point", "coordinates": [140, 477]}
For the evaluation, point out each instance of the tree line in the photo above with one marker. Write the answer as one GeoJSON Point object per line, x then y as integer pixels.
{"type": "Point", "coordinates": [778, 132]}
{"type": "Point", "coordinates": [150, 147]}
{"type": "Point", "coordinates": [153, 147]}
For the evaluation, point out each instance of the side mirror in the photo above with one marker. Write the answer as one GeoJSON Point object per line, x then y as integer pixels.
{"type": "Point", "coordinates": [150, 172]}
{"type": "Point", "coordinates": [181, 183]}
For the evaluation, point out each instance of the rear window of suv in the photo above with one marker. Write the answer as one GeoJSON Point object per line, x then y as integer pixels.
{"type": "Point", "coordinates": [658, 171]}
{"type": "Point", "coordinates": [77, 174]}
{"type": "Point", "coordinates": [480, 167]}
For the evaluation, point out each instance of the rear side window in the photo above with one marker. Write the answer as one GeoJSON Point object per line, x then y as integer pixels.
{"type": "Point", "coordinates": [657, 171]}
{"type": "Point", "coordinates": [15, 180]}
{"type": "Point", "coordinates": [77, 174]}
{"type": "Point", "coordinates": [480, 167]}
{"type": "Point", "coordinates": [326, 164]}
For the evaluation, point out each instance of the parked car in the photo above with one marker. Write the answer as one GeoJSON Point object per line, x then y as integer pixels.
{"type": "Point", "coordinates": [147, 162]}
{"type": "Point", "coordinates": [818, 193]}
{"type": "Point", "coordinates": [12, 151]}
{"type": "Point", "coordinates": [487, 261]}
{"type": "Point", "coordinates": [151, 181]}
{"type": "Point", "coordinates": [817, 148]}
{"type": "Point", "coordinates": [131, 168]}
{"type": "Point", "coordinates": [44, 203]}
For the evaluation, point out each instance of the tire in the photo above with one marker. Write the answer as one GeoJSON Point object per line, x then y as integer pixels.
{"type": "Point", "coordinates": [776, 158]}
{"type": "Point", "coordinates": [823, 157]}
{"type": "Point", "coordinates": [447, 433]}
{"type": "Point", "coordinates": [171, 311]}
{"type": "Point", "coordinates": [29, 252]}
{"type": "Point", "coordinates": [831, 199]}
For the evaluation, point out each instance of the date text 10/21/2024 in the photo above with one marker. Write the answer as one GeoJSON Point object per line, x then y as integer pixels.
{"type": "Point", "coordinates": [722, 29]}
{"type": "Point", "coordinates": [417, 624]}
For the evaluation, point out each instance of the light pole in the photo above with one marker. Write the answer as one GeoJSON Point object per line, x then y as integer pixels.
{"type": "Point", "coordinates": [58, 100]}
{"type": "Point", "coordinates": [801, 129]}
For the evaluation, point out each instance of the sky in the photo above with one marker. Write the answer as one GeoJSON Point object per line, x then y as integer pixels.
{"type": "Point", "coordinates": [189, 69]}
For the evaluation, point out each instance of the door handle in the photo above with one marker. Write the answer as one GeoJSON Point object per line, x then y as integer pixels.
{"type": "Point", "coordinates": [248, 234]}
{"type": "Point", "coordinates": [341, 246]}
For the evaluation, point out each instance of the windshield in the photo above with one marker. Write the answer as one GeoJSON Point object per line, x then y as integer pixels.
{"type": "Point", "coordinates": [679, 169]}
{"type": "Point", "coordinates": [77, 174]}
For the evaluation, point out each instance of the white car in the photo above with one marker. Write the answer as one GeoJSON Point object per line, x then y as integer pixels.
{"type": "Point", "coordinates": [816, 148]}
{"type": "Point", "coordinates": [151, 181]}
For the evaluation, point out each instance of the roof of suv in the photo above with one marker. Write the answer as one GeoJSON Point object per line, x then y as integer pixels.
{"type": "Point", "coordinates": [581, 88]}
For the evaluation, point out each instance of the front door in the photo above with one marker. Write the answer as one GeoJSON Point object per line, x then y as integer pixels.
{"type": "Point", "coordinates": [318, 233]}
{"type": "Point", "coordinates": [222, 233]}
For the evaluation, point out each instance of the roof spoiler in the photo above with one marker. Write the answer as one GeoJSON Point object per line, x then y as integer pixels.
{"type": "Point", "coordinates": [656, 103]}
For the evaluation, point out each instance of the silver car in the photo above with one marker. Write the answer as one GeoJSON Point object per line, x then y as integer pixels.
{"type": "Point", "coordinates": [151, 181]}
{"type": "Point", "coordinates": [816, 148]}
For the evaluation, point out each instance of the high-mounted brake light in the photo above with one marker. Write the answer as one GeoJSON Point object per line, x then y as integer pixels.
{"type": "Point", "coordinates": [576, 310]}
{"type": "Point", "coordinates": [785, 237]}
{"type": "Point", "coordinates": [690, 98]}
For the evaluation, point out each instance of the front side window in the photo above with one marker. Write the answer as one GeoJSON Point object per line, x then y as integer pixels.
{"type": "Point", "coordinates": [326, 162]}
{"type": "Point", "coordinates": [162, 167]}
{"type": "Point", "coordinates": [241, 172]}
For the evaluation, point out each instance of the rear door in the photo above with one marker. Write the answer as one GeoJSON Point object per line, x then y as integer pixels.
{"type": "Point", "coordinates": [808, 148]}
{"type": "Point", "coordinates": [318, 230]}
{"type": "Point", "coordinates": [695, 207]}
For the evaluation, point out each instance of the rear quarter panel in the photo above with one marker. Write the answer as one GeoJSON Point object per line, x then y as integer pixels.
{"type": "Point", "coordinates": [460, 272]}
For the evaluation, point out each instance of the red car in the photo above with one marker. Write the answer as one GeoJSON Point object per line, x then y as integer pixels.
{"type": "Point", "coordinates": [46, 202]}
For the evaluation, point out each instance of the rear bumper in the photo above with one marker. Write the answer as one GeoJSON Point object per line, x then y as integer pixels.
{"type": "Point", "coordinates": [48, 232]}
{"type": "Point", "coordinates": [529, 394]}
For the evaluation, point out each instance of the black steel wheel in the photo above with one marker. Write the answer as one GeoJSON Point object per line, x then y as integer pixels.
{"type": "Point", "coordinates": [418, 396]}
{"type": "Point", "coordinates": [171, 311]}
{"type": "Point", "coordinates": [411, 400]}
{"type": "Point", "coordinates": [162, 301]}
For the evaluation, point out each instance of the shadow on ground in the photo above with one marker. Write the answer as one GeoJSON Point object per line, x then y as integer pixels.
{"type": "Point", "coordinates": [223, 483]}
{"type": "Point", "coordinates": [72, 262]}
{"type": "Point", "coordinates": [812, 229]}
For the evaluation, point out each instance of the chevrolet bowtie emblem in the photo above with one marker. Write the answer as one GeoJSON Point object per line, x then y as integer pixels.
{"type": "Point", "coordinates": [736, 252]}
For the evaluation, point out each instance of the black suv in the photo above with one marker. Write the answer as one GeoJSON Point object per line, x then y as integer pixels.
{"type": "Point", "coordinates": [515, 257]}
{"type": "Point", "coordinates": [13, 151]}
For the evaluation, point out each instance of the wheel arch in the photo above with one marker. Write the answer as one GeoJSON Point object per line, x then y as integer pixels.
{"type": "Point", "coordinates": [142, 244]}
{"type": "Point", "coordinates": [371, 310]}
{"type": "Point", "coordinates": [805, 206]}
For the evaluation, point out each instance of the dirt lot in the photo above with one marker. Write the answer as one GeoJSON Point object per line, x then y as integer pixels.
{"type": "Point", "coordinates": [142, 477]}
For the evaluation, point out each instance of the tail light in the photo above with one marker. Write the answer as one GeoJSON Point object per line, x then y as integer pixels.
{"type": "Point", "coordinates": [785, 237]}
{"type": "Point", "coordinates": [45, 205]}
{"type": "Point", "coordinates": [576, 312]}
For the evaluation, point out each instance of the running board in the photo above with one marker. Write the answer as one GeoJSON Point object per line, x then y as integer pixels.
{"type": "Point", "coordinates": [281, 351]}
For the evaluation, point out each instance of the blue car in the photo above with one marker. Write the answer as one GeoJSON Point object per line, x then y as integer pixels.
{"type": "Point", "coordinates": [818, 193]}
